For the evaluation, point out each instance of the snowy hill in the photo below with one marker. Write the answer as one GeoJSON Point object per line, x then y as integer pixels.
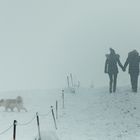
{"type": "Point", "coordinates": [90, 114]}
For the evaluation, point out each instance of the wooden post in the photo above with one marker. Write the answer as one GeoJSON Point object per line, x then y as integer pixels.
{"type": "Point", "coordinates": [63, 99]}
{"type": "Point", "coordinates": [38, 126]}
{"type": "Point", "coordinates": [53, 117]}
{"type": "Point", "coordinates": [14, 129]}
{"type": "Point", "coordinates": [68, 81]}
{"type": "Point", "coordinates": [71, 79]}
{"type": "Point", "coordinates": [56, 109]}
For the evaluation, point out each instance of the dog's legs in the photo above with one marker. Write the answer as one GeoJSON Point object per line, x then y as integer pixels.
{"type": "Point", "coordinates": [24, 109]}
{"type": "Point", "coordinates": [12, 109]}
{"type": "Point", "coordinates": [18, 109]}
{"type": "Point", "coordinates": [6, 108]}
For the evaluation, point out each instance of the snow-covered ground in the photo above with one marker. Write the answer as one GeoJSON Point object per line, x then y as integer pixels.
{"type": "Point", "coordinates": [90, 114]}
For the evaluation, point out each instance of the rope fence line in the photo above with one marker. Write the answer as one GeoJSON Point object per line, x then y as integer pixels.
{"type": "Point", "coordinates": [4, 131]}
{"type": "Point", "coordinates": [27, 123]}
{"type": "Point", "coordinates": [54, 114]}
{"type": "Point", "coordinates": [44, 115]}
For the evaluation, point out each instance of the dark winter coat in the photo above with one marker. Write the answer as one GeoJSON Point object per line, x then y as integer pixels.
{"type": "Point", "coordinates": [111, 63]}
{"type": "Point", "coordinates": [133, 60]}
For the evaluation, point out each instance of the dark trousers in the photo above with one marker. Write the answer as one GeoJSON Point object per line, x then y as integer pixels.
{"type": "Point", "coordinates": [134, 81]}
{"type": "Point", "coordinates": [112, 82]}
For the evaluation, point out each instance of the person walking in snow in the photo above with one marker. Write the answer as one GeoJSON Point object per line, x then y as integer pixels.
{"type": "Point", "coordinates": [111, 68]}
{"type": "Point", "coordinates": [133, 60]}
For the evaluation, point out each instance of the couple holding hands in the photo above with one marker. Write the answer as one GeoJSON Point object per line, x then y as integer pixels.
{"type": "Point", "coordinates": [112, 59]}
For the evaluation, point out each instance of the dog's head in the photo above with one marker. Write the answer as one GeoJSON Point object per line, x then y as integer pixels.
{"type": "Point", "coordinates": [1, 102]}
{"type": "Point", "coordinates": [19, 99]}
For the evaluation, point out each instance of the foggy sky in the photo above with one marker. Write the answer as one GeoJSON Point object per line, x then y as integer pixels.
{"type": "Point", "coordinates": [43, 41]}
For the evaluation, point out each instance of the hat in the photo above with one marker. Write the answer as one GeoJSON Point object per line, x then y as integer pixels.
{"type": "Point", "coordinates": [112, 50]}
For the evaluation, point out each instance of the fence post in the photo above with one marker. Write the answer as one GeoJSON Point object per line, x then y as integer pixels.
{"type": "Point", "coordinates": [63, 98]}
{"type": "Point", "coordinates": [56, 109]}
{"type": "Point", "coordinates": [68, 81]}
{"type": "Point", "coordinates": [71, 79]}
{"type": "Point", "coordinates": [53, 117]}
{"type": "Point", "coordinates": [38, 126]}
{"type": "Point", "coordinates": [14, 129]}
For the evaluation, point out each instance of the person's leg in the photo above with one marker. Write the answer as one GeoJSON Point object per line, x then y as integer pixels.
{"type": "Point", "coordinates": [115, 82]}
{"type": "Point", "coordinates": [135, 82]}
{"type": "Point", "coordinates": [110, 82]}
{"type": "Point", "coordinates": [132, 81]}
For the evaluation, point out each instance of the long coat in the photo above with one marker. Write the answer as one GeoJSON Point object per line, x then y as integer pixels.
{"type": "Point", "coordinates": [133, 61]}
{"type": "Point", "coordinates": [111, 63]}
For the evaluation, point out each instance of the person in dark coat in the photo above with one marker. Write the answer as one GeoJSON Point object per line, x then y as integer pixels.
{"type": "Point", "coordinates": [133, 60]}
{"type": "Point", "coordinates": [111, 68]}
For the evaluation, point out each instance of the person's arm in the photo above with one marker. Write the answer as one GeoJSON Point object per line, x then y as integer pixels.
{"type": "Point", "coordinates": [126, 63]}
{"type": "Point", "coordinates": [106, 66]}
{"type": "Point", "coordinates": [119, 62]}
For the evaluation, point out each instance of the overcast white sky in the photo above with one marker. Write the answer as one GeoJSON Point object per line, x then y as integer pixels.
{"type": "Point", "coordinates": [41, 41]}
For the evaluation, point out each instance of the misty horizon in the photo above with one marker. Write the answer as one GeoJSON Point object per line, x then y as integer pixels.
{"type": "Point", "coordinates": [44, 41]}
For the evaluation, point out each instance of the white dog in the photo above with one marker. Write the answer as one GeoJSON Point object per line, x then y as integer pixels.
{"type": "Point", "coordinates": [13, 103]}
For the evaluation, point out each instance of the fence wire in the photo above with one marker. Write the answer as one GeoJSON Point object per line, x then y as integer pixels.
{"type": "Point", "coordinates": [60, 100]}
{"type": "Point", "coordinates": [27, 123]}
{"type": "Point", "coordinates": [45, 115]}
{"type": "Point", "coordinates": [4, 131]}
